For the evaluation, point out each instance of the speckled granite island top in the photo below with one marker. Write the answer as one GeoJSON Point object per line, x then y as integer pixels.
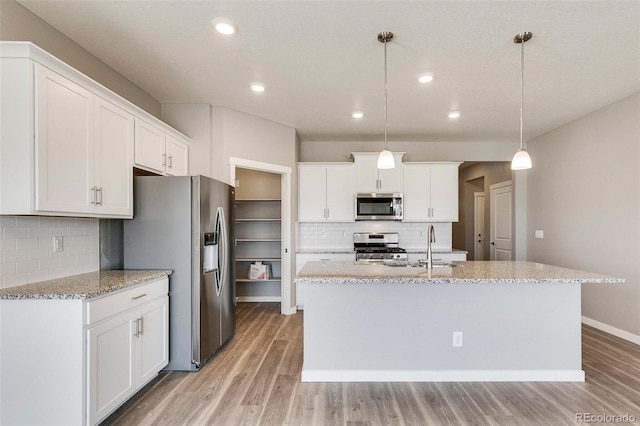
{"type": "Point", "coordinates": [471, 272]}
{"type": "Point", "coordinates": [83, 286]}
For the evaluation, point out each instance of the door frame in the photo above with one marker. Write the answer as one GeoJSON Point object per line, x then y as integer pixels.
{"type": "Point", "coordinates": [476, 196]}
{"type": "Point", "coordinates": [287, 302]}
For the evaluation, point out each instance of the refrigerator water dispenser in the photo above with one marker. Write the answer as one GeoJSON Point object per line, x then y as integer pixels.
{"type": "Point", "coordinates": [210, 252]}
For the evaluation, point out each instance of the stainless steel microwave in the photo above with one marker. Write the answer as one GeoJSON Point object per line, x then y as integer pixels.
{"type": "Point", "coordinates": [376, 206]}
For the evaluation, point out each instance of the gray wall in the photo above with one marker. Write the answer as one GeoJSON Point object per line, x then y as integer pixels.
{"type": "Point", "coordinates": [19, 24]}
{"type": "Point", "coordinates": [584, 192]}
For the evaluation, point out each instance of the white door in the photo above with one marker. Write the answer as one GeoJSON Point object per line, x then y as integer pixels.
{"type": "Point", "coordinates": [416, 192]}
{"type": "Point", "coordinates": [500, 208]}
{"type": "Point", "coordinates": [153, 354]}
{"type": "Point", "coordinates": [478, 226]}
{"type": "Point", "coordinates": [177, 157]}
{"type": "Point", "coordinates": [114, 130]}
{"type": "Point", "coordinates": [110, 374]}
{"type": "Point", "coordinates": [312, 188]}
{"type": "Point", "coordinates": [149, 147]}
{"type": "Point", "coordinates": [367, 173]}
{"type": "Point", "coordinates": [444, 193]}
{"type": "Point", "coordinates": [341, 181]}
{"type": "Point", "coordinates": [64, 144]}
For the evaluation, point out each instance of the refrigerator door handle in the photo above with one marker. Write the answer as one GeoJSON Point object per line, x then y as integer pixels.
{"type": "Point", "coordinates": [221, 228]}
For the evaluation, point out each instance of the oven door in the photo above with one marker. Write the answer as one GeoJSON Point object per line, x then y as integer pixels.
{"type": "Point", "coordinates": [379, 206]}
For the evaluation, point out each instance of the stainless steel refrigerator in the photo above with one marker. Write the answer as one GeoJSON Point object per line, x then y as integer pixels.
{"type": "Point", "coordinates": [184, 223]}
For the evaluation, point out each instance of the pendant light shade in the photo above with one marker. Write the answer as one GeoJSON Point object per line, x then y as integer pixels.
{"type": "Point", "coordinates": [521, 160]}
{"type": "Point", "coordinates": [385, 159]}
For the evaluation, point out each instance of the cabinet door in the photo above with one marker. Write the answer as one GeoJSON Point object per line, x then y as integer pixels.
{"type": "Point", "coordinates": [110, 374]}
{"type": "Point", "coordinates": [153, 353]}
{"type": "Point", "coordinates": [64, 147]}
{"type": "Point", "coordinates": [312, 187]}
{"type": "Point", "coordinates": [444, 193]}
{"type": "Point", "coordinates": [416, 192]}
{"type": "Point", "coordinates": [149, 147]}
{"type": "Point", "coordinates": [177, 157]}
{"type": "Point", "coordinates": [341, 193]}
{"type": "Point", "coordinates": [390, 180]}
{"type": "Point", "coordinates": [114, 130]}
{"type": "Point", "coordinates": [366, 173]}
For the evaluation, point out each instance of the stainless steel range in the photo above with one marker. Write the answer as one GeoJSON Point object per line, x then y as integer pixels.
{"type": "Point", "coordinates": [377, 247]}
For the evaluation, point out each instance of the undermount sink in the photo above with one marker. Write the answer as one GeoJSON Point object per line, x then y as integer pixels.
{"type": "Point", "coordinates": [419, 264]}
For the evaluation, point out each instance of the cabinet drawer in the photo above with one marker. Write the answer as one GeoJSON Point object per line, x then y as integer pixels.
{"type": "Point", "coordinates": [115, 303]}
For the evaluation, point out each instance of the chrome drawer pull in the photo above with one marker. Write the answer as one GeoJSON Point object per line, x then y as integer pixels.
{"type": "Point", "coordinates": [139, 297]}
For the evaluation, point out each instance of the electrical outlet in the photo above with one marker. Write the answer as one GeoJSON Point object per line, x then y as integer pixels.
{"type": "Point", "coordinates": [539, 233]}
{"type": "Point", "coordinates": [323, 235]}
{"type": "Point", "coordinates": [57, 244]}
{"type": "Point", "coordinates": [457, 338]}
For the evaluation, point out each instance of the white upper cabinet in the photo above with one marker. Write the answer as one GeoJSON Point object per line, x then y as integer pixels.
{"type": "Point", "coordinates": [430, 192]}
{"type": "Point", "coordinates": [177, 157]}
{"type": "Point", "coordinates": [159, 152]}
{"type": "Point", "coordinates": [371, 179]}
{"type": "Point", "coordinates": [113, 159]}
{"type": "Point", "coordinates": [84, 150]}
{"type": "Point", "coordinates": [64, 144]}
{"type": "Point", "coordinates": [326, 192]}
{"type": "Point", "coordinates": [67, 143]}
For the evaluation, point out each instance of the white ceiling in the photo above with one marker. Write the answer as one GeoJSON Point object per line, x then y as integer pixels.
{"type": "Point", "coordinates": [321, 60]}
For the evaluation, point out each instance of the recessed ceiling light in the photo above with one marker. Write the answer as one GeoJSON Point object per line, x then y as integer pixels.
{"type": "Point", "coordinates": [425, 77]}
{"type": "Point", "coordinates": [225, 26]}
{"type": "Point", "coordinates": [257, 87]}
{"type": "Point", "coordinates": [357, 114]}
{"type": "Point", "coordinates": [454, 114]}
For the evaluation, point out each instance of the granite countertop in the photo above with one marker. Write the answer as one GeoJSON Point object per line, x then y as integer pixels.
{"type": "Point", "coordinates": [83, 286]}
{"type": "Point", "coordinates": [470, 272]}
{"type": "Point", "coordinates": [423, 250]}
{"type": "Point", "coordinates": [325, 251]}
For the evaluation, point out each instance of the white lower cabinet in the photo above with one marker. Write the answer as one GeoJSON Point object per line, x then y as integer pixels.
{"type": "Point", "coordinates": [302, 258]}
{"type": "Point", "coordinates": [74, 361]}
{"type": "Point", "coordinates": [124, 353]}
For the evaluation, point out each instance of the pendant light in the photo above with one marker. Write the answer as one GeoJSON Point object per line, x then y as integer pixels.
{"type": "Point", "coordinates": [385, 159]}
{"type": "Point", "coordinates": [521, 160]}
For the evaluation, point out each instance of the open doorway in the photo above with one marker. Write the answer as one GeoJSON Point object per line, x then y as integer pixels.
{"type": "Point", "coordinates": [263, 232]}
{"type": "Point", "coordinates": [475, 179]}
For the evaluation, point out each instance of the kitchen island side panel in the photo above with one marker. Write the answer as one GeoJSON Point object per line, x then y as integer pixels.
{"type": "Point", "coordinates": [404, 332]}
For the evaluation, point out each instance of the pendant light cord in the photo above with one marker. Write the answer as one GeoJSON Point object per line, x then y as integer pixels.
{"type": "Point", "coordinates": [521, 85]}
{"type": "Point", "coordinates": [385, 94]}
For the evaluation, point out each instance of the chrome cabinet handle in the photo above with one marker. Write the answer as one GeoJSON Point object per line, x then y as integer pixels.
{"type": "Point", "coordinates": [141, 326]}
{"type": "Point", "coordinates": [171, 161]}
{"type": "Point", "coordinates": [139, 296]}
{"type": "Point", "coordinates": [99, 196]}
{"type": "Point", "coordinates": [93, 195]}
{"type": "Point", "coordinates": [164, 159]}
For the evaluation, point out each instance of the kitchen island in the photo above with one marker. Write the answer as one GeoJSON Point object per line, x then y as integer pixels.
{"type": "Point", "coordinates": [479, 321]}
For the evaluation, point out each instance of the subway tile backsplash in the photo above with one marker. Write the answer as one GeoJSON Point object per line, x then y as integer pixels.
{"type": "Point", "coordinates": [334, 235]}
{"type": "Point", "coordinates": [26, 248]}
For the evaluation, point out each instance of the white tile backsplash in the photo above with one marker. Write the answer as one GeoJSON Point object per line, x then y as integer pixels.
{"type": "Point", "coordinates": [26, 248]}
{"type": "Point", "coordinates": [333, 235]}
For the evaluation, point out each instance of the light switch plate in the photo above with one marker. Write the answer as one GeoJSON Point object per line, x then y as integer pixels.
{"type": "Point", "coordinates": [539, 233]}
{"type": "Point", "coordinates": [57, 244]}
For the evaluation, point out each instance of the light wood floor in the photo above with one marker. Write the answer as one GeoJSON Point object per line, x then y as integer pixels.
{"type": "Point", "coordinates": [255, 379]}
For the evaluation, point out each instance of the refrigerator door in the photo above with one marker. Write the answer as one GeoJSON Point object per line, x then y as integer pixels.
{"type": "Point", "coordinates": [209, 269]}
{"type": "Point", "coordinates": [227, 283]}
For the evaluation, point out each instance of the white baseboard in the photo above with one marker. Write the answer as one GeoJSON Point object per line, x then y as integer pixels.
{"type": "Point", "coordinates": [259, 299]}
{"type": "Point", "coordinates": [443, 376]}
{"type": "Point", "coordinates": [612, 330]}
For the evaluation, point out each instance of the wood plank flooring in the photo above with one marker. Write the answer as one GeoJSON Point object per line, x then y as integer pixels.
{"type": "Point", "coordinates": [255, 380]}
